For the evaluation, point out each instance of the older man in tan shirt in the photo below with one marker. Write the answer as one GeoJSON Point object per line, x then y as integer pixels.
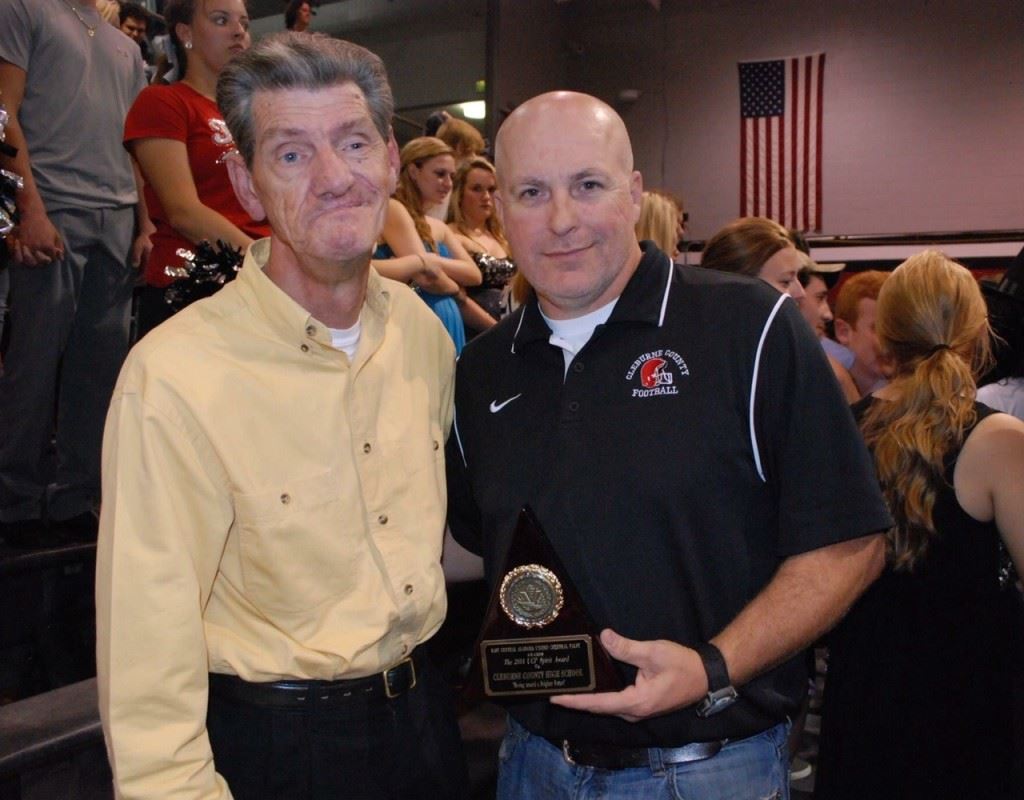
{"type": "Point", "coordinates": [273, 503]}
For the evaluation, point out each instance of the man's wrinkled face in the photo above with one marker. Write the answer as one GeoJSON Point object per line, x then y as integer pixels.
{"type": "Point", "coordinates": [321, 172]}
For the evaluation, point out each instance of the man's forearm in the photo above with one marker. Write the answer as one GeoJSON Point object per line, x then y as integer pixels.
{"type": "Point", "coordinates": [28, 199]}
{"type": "Point", "coordinates": [808, 595]}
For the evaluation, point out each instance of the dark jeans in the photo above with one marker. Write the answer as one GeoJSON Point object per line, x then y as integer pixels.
{"type": "Point", "coordinates": [400, 749]}
{"type": "Point", "coordinates": [68, 336]}
{"type": "Point", "coordinates": [151, 309]}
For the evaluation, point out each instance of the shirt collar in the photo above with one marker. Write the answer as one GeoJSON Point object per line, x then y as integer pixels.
{"type": "Point", "coordinates": [642, 300]}
{"type": "Point", "coordinates": [286, 317]}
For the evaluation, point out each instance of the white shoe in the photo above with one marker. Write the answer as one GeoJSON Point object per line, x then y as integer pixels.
{"type": "Point", "coordinates": [799, 769]}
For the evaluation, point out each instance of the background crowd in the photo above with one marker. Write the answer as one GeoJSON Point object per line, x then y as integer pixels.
{"type": "Point", "coordinates": [120, 180]}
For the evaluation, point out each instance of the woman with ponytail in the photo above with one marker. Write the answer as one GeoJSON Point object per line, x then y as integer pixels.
{"type": "Point", "coordinates": [917, 700]}
{"type": "Point", "coordinates": [178, 136]}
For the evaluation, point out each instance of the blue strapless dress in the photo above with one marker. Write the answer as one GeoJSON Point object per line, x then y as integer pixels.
{"type": "Point", "coordinates": [445, 307]}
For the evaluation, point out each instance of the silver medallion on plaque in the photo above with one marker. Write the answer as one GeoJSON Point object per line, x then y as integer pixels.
{"type": "Point", "coordinates": [531, 596]}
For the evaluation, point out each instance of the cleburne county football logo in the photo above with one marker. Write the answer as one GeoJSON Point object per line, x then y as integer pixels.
{"type": "Point", "coordinates": [657, 372]}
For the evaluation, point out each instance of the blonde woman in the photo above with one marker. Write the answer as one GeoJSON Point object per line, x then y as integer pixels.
{"type": "Point", "coordinates": [428, 254]}
{"type": "Point", "coordinates": [660, 222]}
{"type": "Point", "coordinates": [916, 701]}
{"type": "Point", "coordinates": [477, 227]}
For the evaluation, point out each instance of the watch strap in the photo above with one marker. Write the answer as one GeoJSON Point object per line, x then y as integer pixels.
{"type": "Point", "coordinates": [714, 666]}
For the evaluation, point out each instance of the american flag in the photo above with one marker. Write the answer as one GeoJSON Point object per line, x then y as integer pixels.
{"type": "Point", "coordinates": [780, 140]}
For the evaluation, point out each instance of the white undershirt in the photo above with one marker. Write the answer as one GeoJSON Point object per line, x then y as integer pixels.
{"type": "Point", "coordinates": [572, 334]}
{"type": "Point", "coordinates": [347, 339]}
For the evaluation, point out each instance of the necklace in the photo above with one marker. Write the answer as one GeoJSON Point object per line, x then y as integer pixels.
{"type": "Point", "coordinates": [90, 28]}
{"type": "Point", "coordinates": [482, 245]}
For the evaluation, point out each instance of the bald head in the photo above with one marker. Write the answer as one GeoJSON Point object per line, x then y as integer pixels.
{"type": "Point", "coordinates": [564, 114]}
{"type": "Point", "coordinates": [570, 199]}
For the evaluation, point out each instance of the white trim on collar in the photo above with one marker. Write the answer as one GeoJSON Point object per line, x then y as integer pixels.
{"type": "Point", "coordinates": [668, 286]}
{"type": "Point", "coordinates": [753, 383]}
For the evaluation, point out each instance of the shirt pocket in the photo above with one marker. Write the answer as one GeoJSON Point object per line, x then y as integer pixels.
{"type": "Point", "coordinates": [296, 544]}
{"type": "Point", "coordinates": [414, 466]}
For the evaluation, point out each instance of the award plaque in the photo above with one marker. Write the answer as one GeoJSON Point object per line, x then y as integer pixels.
{"type": "Point", "coordinates": [537, 637]}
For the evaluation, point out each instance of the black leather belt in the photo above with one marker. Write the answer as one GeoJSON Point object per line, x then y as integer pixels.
{"type": "Point", "coordinates": [385, 685]}
{"type": "Point", "coordinates": [611, 757]}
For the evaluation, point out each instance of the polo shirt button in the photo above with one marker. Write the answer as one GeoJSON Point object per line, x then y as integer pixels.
{"type": "Point", "coordinates": [574, 406]}
{"type": "Point", "coordinates": [436, 444]}
{"type": "Point", "coordinates": [366, 447]}
{"type": "Point", "coordinates": [405, 649]}
{"type": "Point", "coordinates": [286, 498]}
{"type": "Point", "coordinates": [577, 366]}
{"type": "Point", "coordinates": [383, 519]}
{"type": "Point", "coordinates": [311, 330]}
{"type": "Point", "coordinates": [408, 588]}
{"type": "Point", "coordinates": [304, 348]}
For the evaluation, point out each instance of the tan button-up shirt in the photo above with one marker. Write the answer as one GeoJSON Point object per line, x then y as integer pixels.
{"type": "Point", "coordinates": [271, 509]}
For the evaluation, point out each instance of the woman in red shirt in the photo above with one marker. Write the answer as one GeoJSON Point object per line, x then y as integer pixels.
{"type": "Point", "coordinates": [177, 135]}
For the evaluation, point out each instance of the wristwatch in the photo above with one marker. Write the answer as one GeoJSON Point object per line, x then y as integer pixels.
{"type": "Point", "coordinates": [721, 693]}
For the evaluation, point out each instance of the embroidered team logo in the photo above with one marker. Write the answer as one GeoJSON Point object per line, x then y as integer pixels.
{"type": "Point", "coordinates": [657, 372]}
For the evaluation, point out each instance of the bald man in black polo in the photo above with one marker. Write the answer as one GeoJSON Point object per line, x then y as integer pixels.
{"type": "Point", "coordinates": [682, 442]}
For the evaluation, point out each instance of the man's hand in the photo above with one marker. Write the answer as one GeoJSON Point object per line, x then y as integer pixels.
{"type": "Point", "coordinates": [35, 241]}
{"type": "Point", "coordinates": [670, 677]}
{"type": "Point", "coordinates": [142, 246]}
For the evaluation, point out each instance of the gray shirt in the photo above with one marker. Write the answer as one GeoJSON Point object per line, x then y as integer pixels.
{"type": "Point", "coordinates": [78, 89]}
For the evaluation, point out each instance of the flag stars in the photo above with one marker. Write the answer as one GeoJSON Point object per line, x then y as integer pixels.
{"type": "Point", "coordinates": [763, 88]}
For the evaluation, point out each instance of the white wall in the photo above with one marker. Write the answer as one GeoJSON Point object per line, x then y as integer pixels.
{"type": "Point", "coordinates": [431, 61]}
{"type": "Point", "coordinates": [923, 108]}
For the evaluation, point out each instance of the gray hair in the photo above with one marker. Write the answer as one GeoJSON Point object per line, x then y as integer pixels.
{"type": "Point", "coordinates": [291, 60]}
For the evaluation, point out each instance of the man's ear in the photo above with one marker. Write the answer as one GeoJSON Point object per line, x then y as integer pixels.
{"type": "Point", "coordinates": [636, 192]}
{"type": "Point", "coordinates": [241, 180]}
{"type": "Point", "coordinates": [843, 331]}
{"type": "Point", "coordinates": [394, 163]}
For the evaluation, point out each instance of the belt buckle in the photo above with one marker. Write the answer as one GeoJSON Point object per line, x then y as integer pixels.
{"type": "Point", "coordinates": [391, 695]}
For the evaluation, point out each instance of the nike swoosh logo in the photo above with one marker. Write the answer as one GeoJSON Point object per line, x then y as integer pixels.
{"type": "Point", "coordinates": [496, 407]}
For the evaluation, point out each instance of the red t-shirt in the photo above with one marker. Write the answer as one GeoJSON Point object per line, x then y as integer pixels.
{"type": "Point", "coordinates": [178, 112]}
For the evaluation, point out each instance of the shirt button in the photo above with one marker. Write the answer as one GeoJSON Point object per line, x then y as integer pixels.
{"type": "Point", "coordinates": [574, 406]}
{"type": "Point", "coordinates": [383, 519]}
{"type": "Point", "coordinates": [408, 588]}
{"type": "Point", "coordinates": [405, 649]}
{"type": "Point", "coordinates": [304, 348]}
{"type": "Point", "coordinates": [367, 448]}
{"type": "Point", "coordinates": [311, 330]}
{"type": "Point", "coordinates": [436, 445]}
{"type": "Point", "coordinates": [286, 498]}
{"type": "Point", "coordinates": [577, 366]}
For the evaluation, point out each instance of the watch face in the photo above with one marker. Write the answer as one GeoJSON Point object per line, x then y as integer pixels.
{"type": "Point", "coordinates": [717, 701]}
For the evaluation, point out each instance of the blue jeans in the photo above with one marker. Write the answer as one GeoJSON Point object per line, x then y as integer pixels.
{"type": "Point", "coordinates": [757, 768]}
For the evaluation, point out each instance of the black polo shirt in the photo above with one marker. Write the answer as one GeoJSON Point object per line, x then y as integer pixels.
{"type": "Point", "coordinates": [697, 440]}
